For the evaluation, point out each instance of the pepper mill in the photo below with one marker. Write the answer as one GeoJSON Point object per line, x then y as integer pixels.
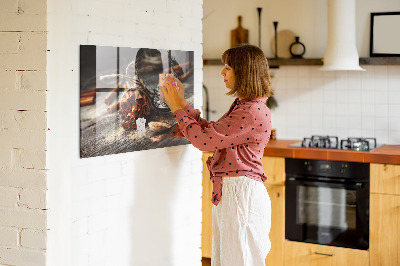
{"type": "Point", "coordinates": [276, 38]}
{"type": "Point", "coordinates": [259, 26]}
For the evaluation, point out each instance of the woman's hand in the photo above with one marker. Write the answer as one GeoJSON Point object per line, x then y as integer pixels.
{"type": "Point", "coordinates": [174, 94]}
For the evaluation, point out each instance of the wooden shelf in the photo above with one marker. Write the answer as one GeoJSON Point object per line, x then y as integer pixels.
{"type": "Point", "coordinates": [380, 61]}
{"type": "Point", "coordinates": [274, 63]}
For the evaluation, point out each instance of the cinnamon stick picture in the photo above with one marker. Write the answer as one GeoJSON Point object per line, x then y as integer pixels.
{"type": "Point", "coordinates": [120, 96]}
{"type": "Point", "coordinates": [87, 100]}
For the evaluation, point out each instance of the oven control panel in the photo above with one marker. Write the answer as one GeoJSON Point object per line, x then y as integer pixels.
{"type": "Point", "coordinates": [338, 169]}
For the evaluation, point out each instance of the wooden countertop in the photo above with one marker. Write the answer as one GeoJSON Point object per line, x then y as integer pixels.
{"type": "Point", "coordinates": [389, 154]}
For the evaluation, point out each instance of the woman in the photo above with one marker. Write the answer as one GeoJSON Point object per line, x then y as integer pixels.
{"type": "Point", "coordinates": [242, 208]}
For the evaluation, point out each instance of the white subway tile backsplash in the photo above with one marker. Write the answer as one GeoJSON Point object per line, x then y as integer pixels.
{"type": "Point", "coordinates": [382, 136]}
{"type": "Point", "coordinates": [394, 83]}
{"type": "Point", "coordinates": [367, 133]}
{"type": "Point", "coordinates": [329, 123]}
{"type": "Point", "coordinates": [317, 120]}
{"type": "Point", "coordinates": [367, 110]}
{"type": "Point", "coordinates": [394, 97]}
{"type": "Point", "coordinates": [317, 108]}
{"type": "Point", "coordinates": [316, 72]}
{"type": "Point", "coordinates": [355, 132]}
{"type": "Point", "coordinates": [381, 97]}
{"type": "Point", "coordinates": [342, 122]}
{"type": "Point", "coordinates": [381, 123]}
{"type": "Point", "coordinates": [367, 96]}
{"type": "Point", "coordinates": [329, 109]}
{"type": "Point", "coordinates": [394, 110]}
{"type": "Point", "coordinates": [292, 82]}
{"type": "Point", "coordinates": [342, 109]}
{"type": "Point", "coordinates": [304, 95]}
{"type": "Point", "coordinates": [368, 123]}
{"type": "Point", "coordinates": [342, 96]}
{"type": "Point", "coordinates": [394, 123]}
{"type": "Point", "coordinates": [329, 93]}
{"type": "Point", "coordinates": [381, 110]}
{"type": "Point", "coordinates": [316, 82]}
{"type": "Point", "coordinates": [354, 122]}
{"type": "Point", "coordinates": [293, 120]}
{"type": "Point", "coordinates": [342, 81]}
{"type": "Point", "coordinates": [291, 71]}
{"type": "Point", "coordinates": [355, 76]}
{"type": "Point", "coordinates": [304, 72]}
{"type": "Point", "coordinates": [328, 74]}
{"type": "Point", "coordinates": [355, 96]}
{"type": "Point", "coordinates": [304, 109]}
{"type": "Point", "coordinates": [394, 71]}
{"type": "Point", "coordinates": [394, 137]}
{"type": "Point", "coordinates": [380, 71]}
{"type": "Point", "coordinates": [317, 95]}
{"type": "Point", "coordinates": [342, 133]}
{"type": "Point", "coordinates": [380, 84]}
{"type": "Point", "coordinates": [347, 103]}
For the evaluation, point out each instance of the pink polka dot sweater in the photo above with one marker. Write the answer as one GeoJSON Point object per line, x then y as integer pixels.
{"type": "Point", "coordinates": [238, 139]}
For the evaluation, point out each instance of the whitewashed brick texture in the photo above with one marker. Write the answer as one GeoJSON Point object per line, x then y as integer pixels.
{"type": "Point", "coordinates": [35, 239]}
{"type": "Point", "coordinates": [23, 128]}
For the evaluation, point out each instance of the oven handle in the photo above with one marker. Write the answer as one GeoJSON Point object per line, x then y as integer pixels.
{"type": "Point", "coordinates": [357, 185]}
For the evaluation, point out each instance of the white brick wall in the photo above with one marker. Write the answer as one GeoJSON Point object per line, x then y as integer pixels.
{"type": "Point", "coordinates": [122, 209]}
{"type": "Point", "coordinates": [23, 132]}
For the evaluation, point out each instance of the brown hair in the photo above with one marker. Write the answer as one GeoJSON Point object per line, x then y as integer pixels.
{"type": "Point", "coordinates": [250, 66]}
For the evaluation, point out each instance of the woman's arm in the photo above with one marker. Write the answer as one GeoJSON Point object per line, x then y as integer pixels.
{"type": "Point", "coordinates": [239, 127]}
{"type": "Point", "coordinates": [174, 94]}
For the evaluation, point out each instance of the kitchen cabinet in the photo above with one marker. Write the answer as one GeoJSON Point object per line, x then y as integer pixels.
{"type": "Point", "coordinates": [305, 254]}
{"type": "Point", "coordinates": [206, 225]}
{"type": "Point", "coordinates": [274, 168]}
{"type": "Point", "coordinates": [385, 215]}
{"type": "Point", "coordinates": [385, 178]}
{"type": "Point", "coordinates": [277, 233]}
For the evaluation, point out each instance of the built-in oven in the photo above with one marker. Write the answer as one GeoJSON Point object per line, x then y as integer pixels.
{"type": "Point", "coordinates": [327, 202]}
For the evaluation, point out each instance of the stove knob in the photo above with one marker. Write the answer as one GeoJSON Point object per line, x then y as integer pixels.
{"type": "Point", "coordinates": [343, 168]}
{"type": "Point", "coordinates": [308, 166]}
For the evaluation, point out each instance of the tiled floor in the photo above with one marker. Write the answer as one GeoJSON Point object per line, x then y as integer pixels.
{"type": "Point", "coordinates": [206, 261]}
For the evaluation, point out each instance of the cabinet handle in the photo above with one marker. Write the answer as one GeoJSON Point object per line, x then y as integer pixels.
{"type": "Point", "coordinates": [324, 254]}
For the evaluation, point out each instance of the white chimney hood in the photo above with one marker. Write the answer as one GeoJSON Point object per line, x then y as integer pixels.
{"type": "Point", "coordinates": [341, 51]}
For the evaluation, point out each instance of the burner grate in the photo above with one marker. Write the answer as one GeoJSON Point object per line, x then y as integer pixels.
{"type": "Point", "coordinates": [358, 144]}
{"type": "Point", "coordinates": [327, 142]}
{"type": "Point", "coordinates": [332, 142]}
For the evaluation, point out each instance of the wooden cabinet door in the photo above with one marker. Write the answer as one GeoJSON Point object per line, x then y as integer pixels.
{"type": "Point", "coordinates": [384, 237]}
{"type": "Point", "coordinates": [304, 254]}
{"type": "Point", "coordinates": [206, 226]}
{"type": "Point", "coordinates": [385, 178]}
{"type": "Point", "coordinates": [274, 168]}
{"type": "Point", "coordinates": [277, 233]}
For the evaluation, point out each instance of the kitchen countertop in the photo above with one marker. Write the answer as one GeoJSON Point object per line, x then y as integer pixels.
{"type": "Point", "coordinates": [389, 154]}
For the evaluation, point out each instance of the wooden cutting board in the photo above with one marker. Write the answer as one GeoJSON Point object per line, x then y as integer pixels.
{"type": "Point", "coordinates": [239, 35]}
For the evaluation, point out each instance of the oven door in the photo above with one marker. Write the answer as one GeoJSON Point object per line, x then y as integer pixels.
{"type": "Point", "coordinates": [327, 213]}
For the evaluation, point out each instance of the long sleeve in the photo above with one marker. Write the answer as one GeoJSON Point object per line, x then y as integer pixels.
{"type": "Point", "coordinates": [229, 131]}
{"type": "Point", "coordinates": [193, 113]}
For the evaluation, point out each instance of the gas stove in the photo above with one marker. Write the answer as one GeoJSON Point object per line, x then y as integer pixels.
{"type": "Point", "coordinates": [332, 142]}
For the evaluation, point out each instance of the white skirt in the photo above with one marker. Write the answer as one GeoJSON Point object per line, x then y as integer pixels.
{"type": "Point", "coordinates": [241, 223]}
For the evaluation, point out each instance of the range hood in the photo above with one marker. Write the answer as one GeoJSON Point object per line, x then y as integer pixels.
{"type": "Point", "coordinates": [341, 51]}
